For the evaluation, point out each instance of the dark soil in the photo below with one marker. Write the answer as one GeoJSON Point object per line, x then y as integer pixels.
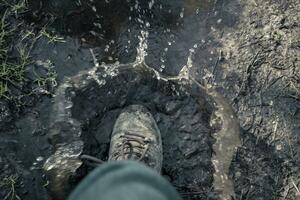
{"type": "Point", "coordinates": [248, 48]}
{"type": "Point", "coordinates": [183, 123]}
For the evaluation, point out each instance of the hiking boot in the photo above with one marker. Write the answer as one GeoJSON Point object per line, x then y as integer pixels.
{"type": "Point", "coordinates": [136, 137]}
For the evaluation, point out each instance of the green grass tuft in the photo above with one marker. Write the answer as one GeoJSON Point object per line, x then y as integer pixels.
{"type": "Point", "coordinates": [17, 73]}
{"type": "Point", "coordinates": [10, 183]}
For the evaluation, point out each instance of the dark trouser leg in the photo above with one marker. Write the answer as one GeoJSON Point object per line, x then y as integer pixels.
{"type": "Point", "coordinates": [124, 180]}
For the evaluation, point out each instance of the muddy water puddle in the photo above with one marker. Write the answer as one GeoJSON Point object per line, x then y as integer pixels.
{"type": "Point", "coordinates": [87, 104]}
{"type": "Point", "coordinates": [174, 27]}
{"type": "Point", "coordinates": [179, 43]}
{"type": "Point", "coordinates": [100, 59]}
{"type": "Point", "coordinates": [182, 119]}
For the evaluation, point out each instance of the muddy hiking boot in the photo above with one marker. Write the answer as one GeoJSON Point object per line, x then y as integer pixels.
{"type": "Point", "coordinates": [136, 137]}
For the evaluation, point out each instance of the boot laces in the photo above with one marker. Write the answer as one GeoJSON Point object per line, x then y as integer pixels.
{"type": "Point", "coordinates": [130, 141]}
{"type": "Point", "coordinates": [132, 144]}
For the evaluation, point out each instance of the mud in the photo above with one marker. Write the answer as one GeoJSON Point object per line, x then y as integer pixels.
{"type": "Point", "coordinates": [260, 72]}
{"type": "Point", "coordinates": [249, 49]}
{"type": "Point", "coordinates": [170, 104]}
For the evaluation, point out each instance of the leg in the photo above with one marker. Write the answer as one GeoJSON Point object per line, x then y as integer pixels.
{"type": "Point", "coordinates": [124, 180]}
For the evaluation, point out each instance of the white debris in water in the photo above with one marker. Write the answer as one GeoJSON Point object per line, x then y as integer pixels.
{"type": "Point", "coordinates": [94, 8]}
{"type": "Point", "coordinates": [142, 48]}
{"type": "Point", "coordinates": [98, 25]}
{"type": "Point", "coordinates": [39, 159]}
{"type": "Point", "coordinates": [112, 69]}
{"type": "Point", "coordinates": [102, 82]}
{"type": "Point", "coordinates": [278, 147]}
{"type": "Point", "coordinates": [182, 13]}
{"type": "Point", "coordinates": [140, 20]}
{"type": "Point", "coordinates": [189, 63]}
{"type": "Point", "coordinates": [68, 105]}
{"type": "Point", "coordinates": [96, 63]}
{"type": "Point", "coordinates": [78, 3]}
{"type": "Point", "coordinates": [106, 48]}
{"type": "Point", "coordinates": [93, 33]}
{"type": "Point", "coordinates": [151, 3]}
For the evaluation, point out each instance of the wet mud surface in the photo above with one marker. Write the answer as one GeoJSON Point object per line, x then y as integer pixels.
{"type": "Point", "coordinates": [248, 49]}
{"type": "Point", "coordinates": [184, 125]}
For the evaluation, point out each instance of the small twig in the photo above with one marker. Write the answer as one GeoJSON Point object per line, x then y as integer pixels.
{"type": "Point", "coordinates": [254, 59]}
{"type": "Point", "coordinates": [94, 58]}
{"type": "Point", "coordinates": [275, 130]}
{"type": "Point", "coordinates": [210, 80]}
{"type": "Point", "coordinates": [296, 187]}
{"type": "Point", "coordinates": [274, 81]}
{"type": "Point", "coordinates": [279, 68]}
{"type": "Point", "coordinates": [248, 77]}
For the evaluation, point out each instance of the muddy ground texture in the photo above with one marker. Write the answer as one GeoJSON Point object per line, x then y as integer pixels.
{"type": "Point", "coordinates": [260, 73]}
{"type": "Point", "coordinates": [183, 123]}
{"type": "Point", "coordinates": [255, 61]}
